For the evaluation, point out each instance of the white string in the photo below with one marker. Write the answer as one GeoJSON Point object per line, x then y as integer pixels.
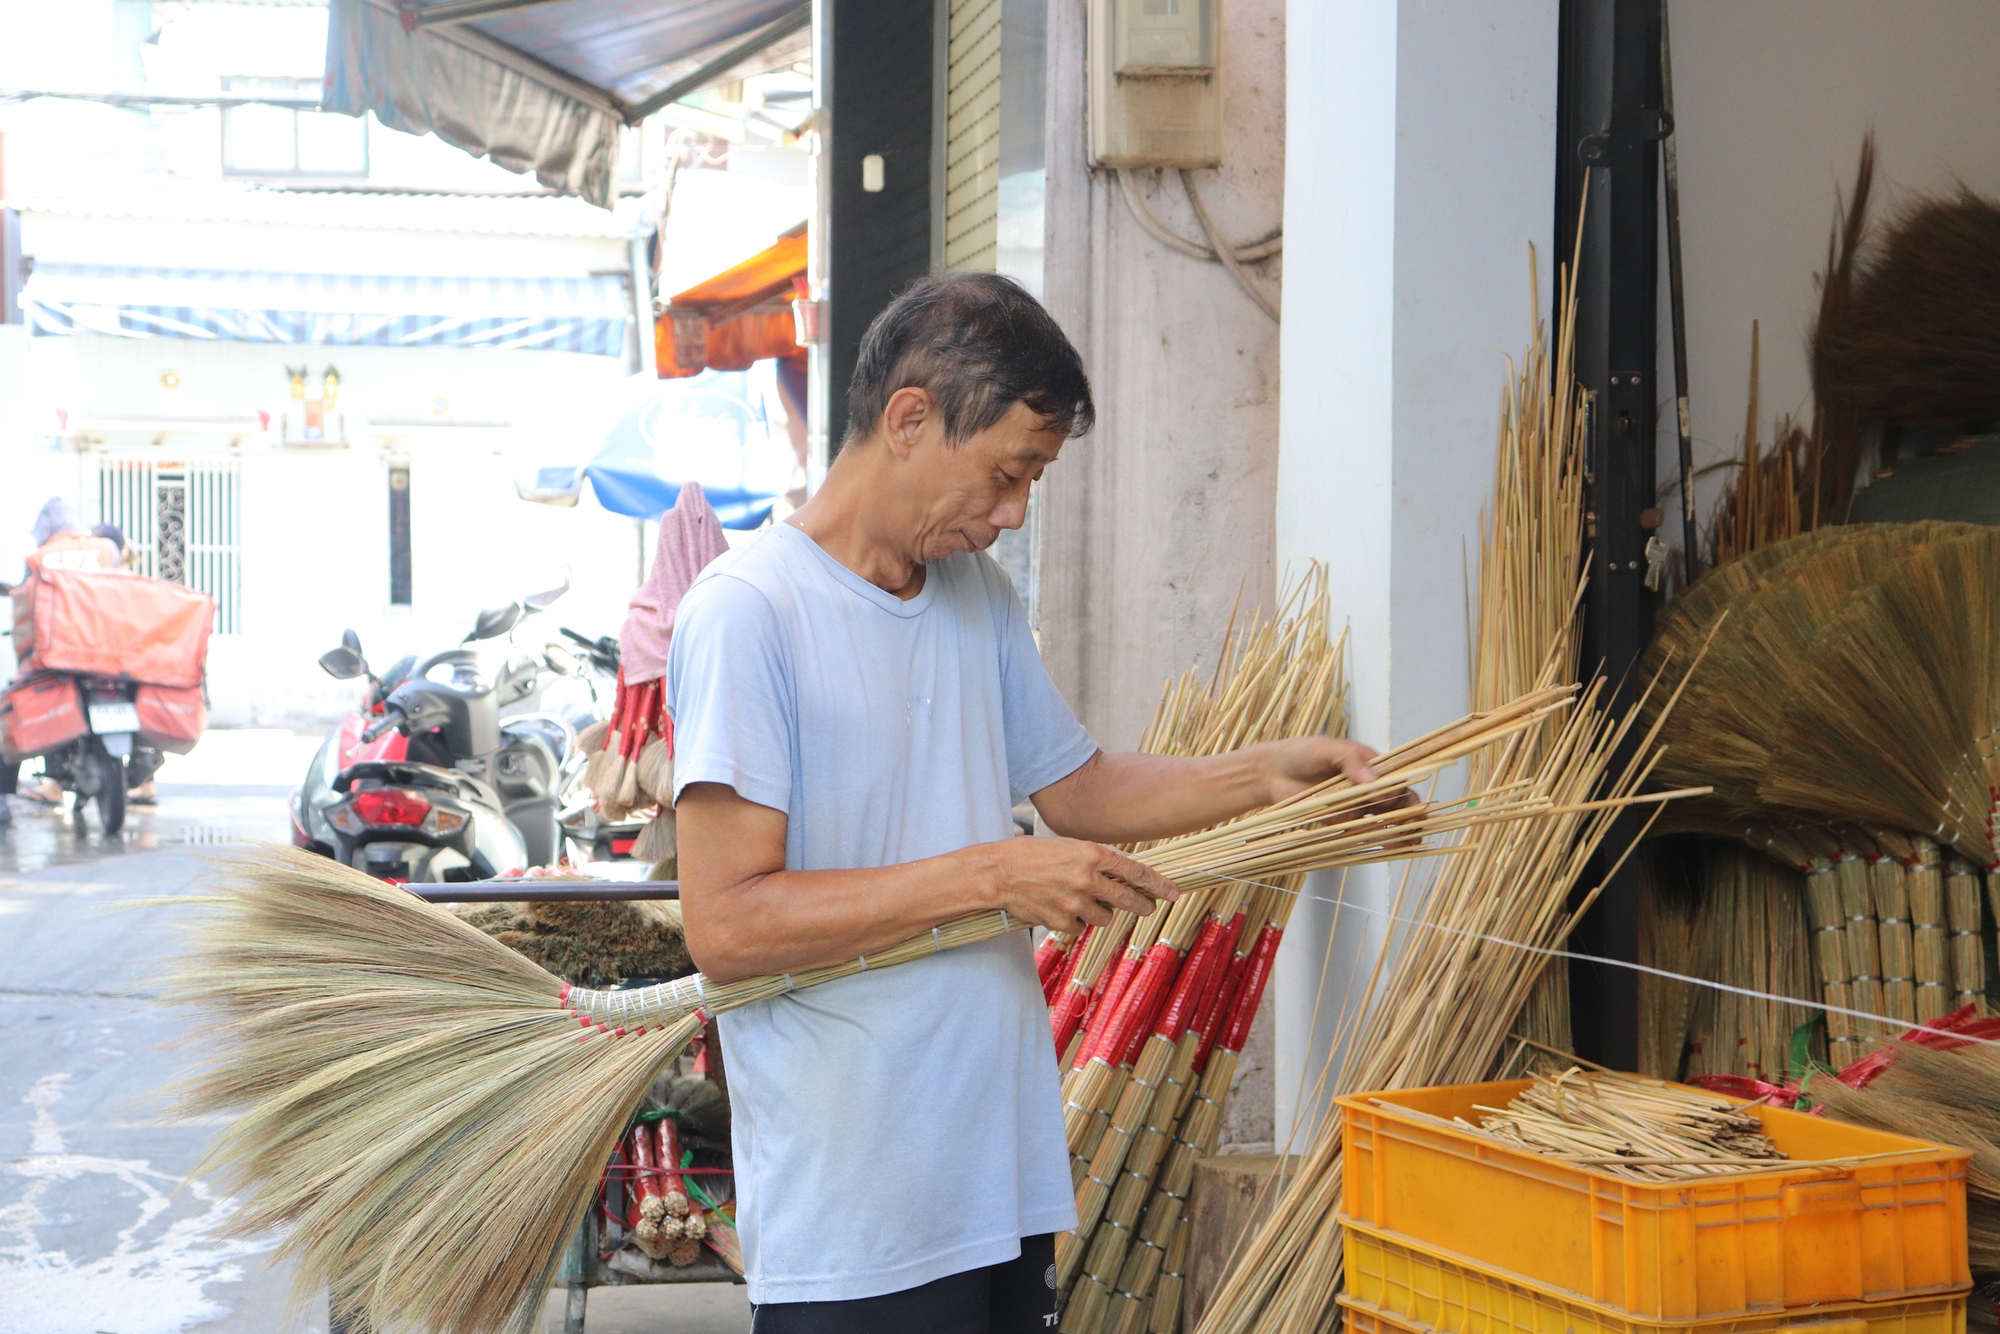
{"type": "Point", "coordinates": [1899, 1024]}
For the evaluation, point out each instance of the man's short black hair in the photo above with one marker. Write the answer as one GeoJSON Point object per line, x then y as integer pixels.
{"type": "Point", "coordinates": [978, 344]}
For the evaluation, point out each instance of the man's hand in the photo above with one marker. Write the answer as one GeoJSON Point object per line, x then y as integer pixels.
{"type": "Point", "coordinates": [1065, 884]}
{"type": "Point", "coordinates": [1308, 761]}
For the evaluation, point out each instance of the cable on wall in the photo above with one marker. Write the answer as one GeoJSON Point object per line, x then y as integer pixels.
{"type": "Point", "coordinates": [1216, 251]}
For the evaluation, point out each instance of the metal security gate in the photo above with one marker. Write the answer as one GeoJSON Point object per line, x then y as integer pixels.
{"type": "Point", "coordinates": [185, 520]}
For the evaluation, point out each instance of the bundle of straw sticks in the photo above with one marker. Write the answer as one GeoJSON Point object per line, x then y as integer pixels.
{"type": "Point", "coordinates": [1436, 1006]}
{"type": "Point", "coordinates": [424, 1114]}
{"type": "Point", "coordinates": [1630, 1127]}
{"type": "Point", "coordinates": [1151, 1014]}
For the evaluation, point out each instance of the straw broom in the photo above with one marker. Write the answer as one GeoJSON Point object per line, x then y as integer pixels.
{"type": "Point", "coordinates": [1274, 680]}
{"type": "Point", "coordinates": [1968, 953]}
{"type": "Point", "coordinates": [1954, 1096]}
{"type": "Point", "coordinates": [425, 1114]}
{"type": "Point", "coordinates": [1852, 680]}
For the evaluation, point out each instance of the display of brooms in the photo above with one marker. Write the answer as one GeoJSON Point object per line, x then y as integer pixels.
{"type": "Point", "coordinates": [422, 1115]}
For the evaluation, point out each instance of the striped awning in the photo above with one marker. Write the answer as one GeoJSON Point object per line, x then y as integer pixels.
{"type": "Point", "coordinates": [335, 310]}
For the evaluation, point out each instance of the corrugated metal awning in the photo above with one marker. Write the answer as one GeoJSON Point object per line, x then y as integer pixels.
{"type": "Point", "coordinates": [542, 85]}
{"type": "Point", "coordinates": [549, 314]}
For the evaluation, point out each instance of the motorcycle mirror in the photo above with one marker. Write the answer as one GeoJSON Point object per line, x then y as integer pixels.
{"type": "Point", "coordinates": [348, 639]}
{"type": "Point", "coordinates": [343, 663]}
{"type": "Point", "coordinates": [561, 661]}
{"type": "Point", "coordinates": [495, 621]}
{"type": "Point", "coordinates": [547, 598]}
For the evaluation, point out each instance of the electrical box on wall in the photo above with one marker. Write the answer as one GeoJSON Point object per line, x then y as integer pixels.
{"type": "Point", "coordinates": [1155, 83]}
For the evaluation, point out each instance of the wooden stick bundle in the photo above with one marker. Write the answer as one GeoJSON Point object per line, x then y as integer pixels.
{"type": "Point", "coordinates": [1630, 1127]}
{"type": "Point", "coordinates": [1457, 984]}
{"type": "Point", "coordinates": [1924, 878]}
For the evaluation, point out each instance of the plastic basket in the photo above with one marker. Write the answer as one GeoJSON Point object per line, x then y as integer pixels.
{"type": "Point", "coordinates": [1393, 1289]}
{"type": "Point", "coordinates": [1859, 1215]}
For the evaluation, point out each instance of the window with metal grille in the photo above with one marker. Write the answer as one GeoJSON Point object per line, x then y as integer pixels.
{"type": "Point", "coordinates": [185, 520]}
{"type": "Point", "coordinates": [972, 138]}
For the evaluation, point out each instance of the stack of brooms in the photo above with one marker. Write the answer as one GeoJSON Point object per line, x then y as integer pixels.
{"type": "Point", "coordinates": [631, 768]}
{"type": "Point", "coordinates": [1151, 1014]}
{"type": "Point", "coordinates": [1438, 1009]}
{"type": "Point", "coordinates": [1844, 714]}
{"type": "Point", "coordinates": [423, 1115]}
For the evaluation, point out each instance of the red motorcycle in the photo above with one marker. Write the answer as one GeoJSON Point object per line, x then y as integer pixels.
{"type": "Point", "coordinates": [112, 666]}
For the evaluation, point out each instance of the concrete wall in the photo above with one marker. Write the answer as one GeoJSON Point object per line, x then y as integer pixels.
{"type": "Point", "coordinates": [1772, 98]}
{"type": "Point", "coordinates": [1153, 525]}
{"type": "Point", "coordinates": [1409, 208]}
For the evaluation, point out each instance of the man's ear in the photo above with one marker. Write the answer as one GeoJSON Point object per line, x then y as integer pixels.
{"type": "Point", "coordinates": [904, 417]}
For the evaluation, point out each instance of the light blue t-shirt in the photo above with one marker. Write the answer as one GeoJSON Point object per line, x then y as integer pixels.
{"type": "Point", "coordinates": [903, 1124]}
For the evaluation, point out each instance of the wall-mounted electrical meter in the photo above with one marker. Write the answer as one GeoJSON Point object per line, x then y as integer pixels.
{"type": "Point", "coordinates": [1155, 83]}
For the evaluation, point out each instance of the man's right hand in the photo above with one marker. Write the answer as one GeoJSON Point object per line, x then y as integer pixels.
{"type": "Point", "coordinates": [1064, 884]}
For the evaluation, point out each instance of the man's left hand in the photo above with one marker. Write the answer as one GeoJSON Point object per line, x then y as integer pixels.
{"type": "Point", "coordinates": [1305, 762]}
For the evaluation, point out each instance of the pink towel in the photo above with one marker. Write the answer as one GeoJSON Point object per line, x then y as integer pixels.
{"type": "Point", "coordinates": [690, 537]}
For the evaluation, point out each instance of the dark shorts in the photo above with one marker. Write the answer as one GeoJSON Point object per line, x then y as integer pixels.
{"type": "Point", "coordinates": [1015, 1297]}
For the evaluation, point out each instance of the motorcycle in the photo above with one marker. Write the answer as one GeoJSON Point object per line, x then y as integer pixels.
{"type": "Point", "coordinates": [112, 676]}
{"type": "Point", "coordinates": [87, 730]}
{"type": "Point", "coordinates": [427, 782]}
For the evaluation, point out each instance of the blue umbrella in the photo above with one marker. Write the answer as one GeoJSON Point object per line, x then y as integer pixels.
{"type": "Point", "coordinates": [709, 428]}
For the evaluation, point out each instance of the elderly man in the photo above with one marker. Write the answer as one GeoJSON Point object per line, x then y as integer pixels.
{"type": "Point", "coordinates": [858, 703]}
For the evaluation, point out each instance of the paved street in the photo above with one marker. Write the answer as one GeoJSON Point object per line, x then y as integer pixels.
{"type": "Point", "coordinates": [99, 1232]}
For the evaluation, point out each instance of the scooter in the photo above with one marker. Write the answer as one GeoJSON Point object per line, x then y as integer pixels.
{"type": "Point", "coordinates": [427, 783]}
{"type": "Point", "coordinates": [98, 736]}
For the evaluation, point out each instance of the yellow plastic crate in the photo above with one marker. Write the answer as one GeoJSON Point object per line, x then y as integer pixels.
{"type": "Point", "coordinates": [1393, 1289]}
{"type": "Point", "coordinates": [1861, 1216]}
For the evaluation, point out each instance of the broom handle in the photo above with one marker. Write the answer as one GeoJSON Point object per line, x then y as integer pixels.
{"type": "Point", "coordinates": [548, 891]}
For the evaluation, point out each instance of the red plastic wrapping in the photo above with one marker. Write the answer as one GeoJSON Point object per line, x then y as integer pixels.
{"type": "Point", "coordinates": [171, 717]}
{"type": "Point", "coordinates": [1049, 959]}
{"type": "Point", "coordinates": [1141, 1005]}
{"type": "Point", "coordinates": [112, 623]}
{"type": "Point", "coordinates": [1243, 1009]}
{"type": "Point", "coordinates": [1056, 989]}
{"type": "Point", "coordinates": [1072, 1007]}
{"type": "Point", "coordinates": [1103, 1013]}
{"type": "Point", "coordinates": [1185, 999]}
{"type": "Point", "coordinates": [39, 714]}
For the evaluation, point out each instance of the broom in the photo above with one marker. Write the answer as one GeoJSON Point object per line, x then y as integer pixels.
{"type": "Point", "coordinates": [425, 1114]}
{"type": "Point", "coordinates": [1954, 1096]}
{"type": "Point", "coordinates": [1852, 682]}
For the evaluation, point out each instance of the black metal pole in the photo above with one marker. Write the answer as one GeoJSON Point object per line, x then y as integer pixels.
{"type": "Point", "coordinates": [1609, 124]}
{"type": "Point", "coordinates": [1677, 295]}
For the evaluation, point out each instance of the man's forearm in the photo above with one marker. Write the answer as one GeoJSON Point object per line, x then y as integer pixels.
{"type": "Point", "coordinates": [1128, 797]}
{"type": "Point", "coordinates": [789, 921]}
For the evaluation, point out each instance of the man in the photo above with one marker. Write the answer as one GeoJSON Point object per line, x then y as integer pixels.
{"type": "Point", "coordinates": [857, 705]}
{"type": "Point", "coordinates": [60, 544]}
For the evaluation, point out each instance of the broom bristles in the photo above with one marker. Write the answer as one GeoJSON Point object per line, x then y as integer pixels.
{"type": "Point", "coordinates": [656, 771]}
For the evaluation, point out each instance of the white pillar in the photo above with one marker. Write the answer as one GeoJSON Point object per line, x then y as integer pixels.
{"type": "Point", "coordinates": [1419, 168]}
